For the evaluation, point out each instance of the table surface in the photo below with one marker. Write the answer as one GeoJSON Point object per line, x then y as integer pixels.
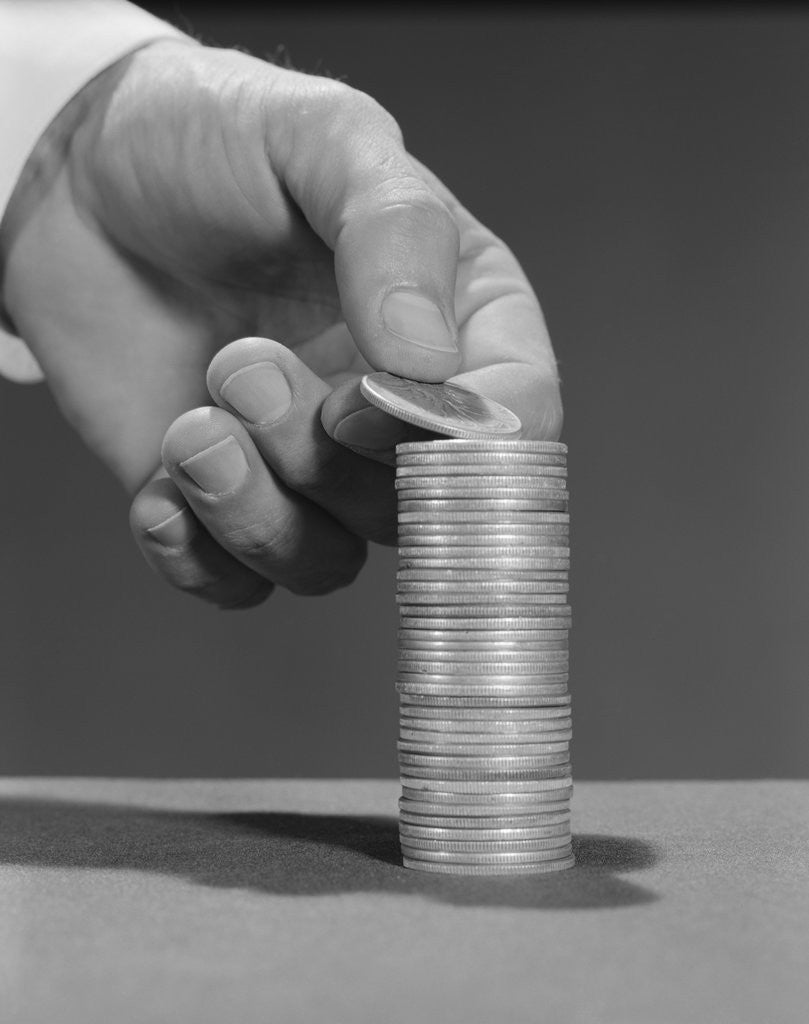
{"type": "Point", "coordinates": [285, 901]}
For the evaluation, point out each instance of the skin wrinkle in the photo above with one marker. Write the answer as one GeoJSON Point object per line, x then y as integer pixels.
{"type": "Point", "coordinates": [277, 536]}
{"type": "Point", "coordinates": [176, 263]}
{"type": "Point", "coordinates": [297, 264]}
{"type": "Point", "coordinates": [332, 117]}
{"type": "Point", "coordinates": [228, 150]}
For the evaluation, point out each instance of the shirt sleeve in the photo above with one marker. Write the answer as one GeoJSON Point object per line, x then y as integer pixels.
{"type": "Point", "coordinates": [50, 49]}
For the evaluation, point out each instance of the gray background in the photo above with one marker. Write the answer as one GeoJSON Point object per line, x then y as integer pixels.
{"type": "Point", "coordinates": [651, 171]}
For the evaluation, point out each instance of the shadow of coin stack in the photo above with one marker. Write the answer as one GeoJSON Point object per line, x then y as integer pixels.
{"type": "Point", "coordinates": [485, 723]}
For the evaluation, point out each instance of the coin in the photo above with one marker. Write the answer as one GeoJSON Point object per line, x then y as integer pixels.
{"type": "Point", "coordinates": [483, 468]}
{"type": "Point", "coordinates": [446, 771]}
{"type": "Point", "coordinates": [509, 818]}
{"type": "Point", "coordinates": [458, 720]}
{"type": "Point", "coordinates": [511, 730]}
{"type": "Point", "coordinates": [549, 795]}
{"type": "Point", "coordinates": [443, 408]}
{"type": "Point", "coordinates": [510, 689]}
{"type": "Point", "coordinates": [474, 715]}
{"type": "Point", "coordinates": [495, 562]}
{"type": "Point", "coordinates": [470, 541]}
{"type": "Point", "coordinates": [469, 870]}
{"type": "Point", "coordinates": [499, 545]}
{"type": "Point", "coordinates": [479, 816]}
{"type": "Point", "coordinates": [478, 752]}
{"type": "Point", "coordinates": [408, 667]}
{"type": "Point", "coordinates": [480, 829]}
{"type": "Point", "coordinates": [474, 495]}
{"type": "Point", "coordinates": [497, 618]}
{"type": "Point", "coordinates": [446, 506]}
{"type": "Point", "coordinates": [511, 536]}
{"type": "Point", "coordinates": [484, 746]}
{"type": "Point", "coordinates": [486, 846]}
{"type": "Point", "coordinates": [456, 723]}
{"type": "Point", "coordinates": [494, 762]}
{"type": "Point", "coordinates": [516, 609]}
{"type": "Point", "coordinates": [509, 679]}
{"type": "Point", "coordinates": [480, 462]}
{"type": "Point", "coordinates": [483, 835]}
{"type": "Point", "coordinates": [446, 814]}
{"type": "Point", "coordinates": [481, 575]}
{"type": "Point", "coordinates": [481, 776]}
{"type": "Point", "coordinates": [458, 519]}
{"type": "Point", "coordinates": [460, 732]}
{"type": "Point", "coordinates": [480, 652]}
{"type": "Point", "coordinates": [452, 513]}
{"type": "Point", "coordinates": [484, 816]}
{"type": "Point", "coordinates": [450, 739]}
{"type": "Point", "coordinates": [478, 485]}
{"type": "Point", "coordinates": [513, 696]}
{"type": "Point", "coordinates": [556, 777]}
{"type": "Point", "coordinates": [447, 461]}
{"type": "Point", "coordinates": [488, 636]}
{"type": "Point", "coordinates": [471, 445]}
{"type": "Point", "coordinates": [500, 588]}
{"type": "Point", "coordinates": [523, 622]}
{"type": "Point", "coordinates": [498, 858]}
{"type": "Point", "coordinates": [480, 702]}
{"type": "Point", "coordinates": [472, 552]}
{"type": "Point", "coordinates": [488, 744]}
{"type": "Point", "coordinates": [533, 604]}
{"type": "Point", "coordinates": [470, 650]}
{"type": "Point", "coordinates": [501, 732]}
{"type": "Point", "coordinates": [427, 661]}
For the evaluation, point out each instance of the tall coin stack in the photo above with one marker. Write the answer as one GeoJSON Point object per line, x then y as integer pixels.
{"type": "Point", "coordinates": [485, 723]}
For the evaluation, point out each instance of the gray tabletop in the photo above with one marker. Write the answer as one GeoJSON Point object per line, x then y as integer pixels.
{"type": "Point", "coordinates": [284, 901]}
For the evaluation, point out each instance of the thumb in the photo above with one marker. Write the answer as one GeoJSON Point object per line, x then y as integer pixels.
{"type": "Point", "coordinates": [395, 240]}
{"type": "Point", "coordinates": [396, 265]}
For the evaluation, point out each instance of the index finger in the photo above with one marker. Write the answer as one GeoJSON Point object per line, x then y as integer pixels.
{"type": "Point", "coordinates": [506, 350]}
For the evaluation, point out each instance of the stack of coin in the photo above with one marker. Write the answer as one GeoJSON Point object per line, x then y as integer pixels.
{"type": "Point", "coordinates": [485, 726]}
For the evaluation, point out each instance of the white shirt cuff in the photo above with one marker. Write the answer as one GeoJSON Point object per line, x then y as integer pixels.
{"type": "Point", "coordinates": [50, 49]}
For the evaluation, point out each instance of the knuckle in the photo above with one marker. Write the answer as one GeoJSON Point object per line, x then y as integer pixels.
{"type": "Point", "coordinates": [279, 548]}
{"type": "Point", "coordinates": [264, 540]}
{"type": "Point", "coordinates": [345, 103]}
{"type": "Point", "coordinates": [418, 211]}
{"type": "Point", "coordinates": [368, 111]}
{"type": "Point", "coordinates": [336, 114]}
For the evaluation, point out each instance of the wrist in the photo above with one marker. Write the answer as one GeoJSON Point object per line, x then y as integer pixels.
{"type": "Point", "coordinates": [66, 147]}
{"type": "Point", "coordinates": [50, 158]}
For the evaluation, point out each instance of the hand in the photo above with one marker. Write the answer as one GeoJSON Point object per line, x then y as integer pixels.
{"type": "Point", "coordinates": [192, 195]}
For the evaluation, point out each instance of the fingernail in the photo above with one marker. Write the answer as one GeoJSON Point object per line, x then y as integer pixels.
{"type": "Point", "coordinates": [418, 320]}
{"type": "Point", "coordinates": [258, 392]}
{"type": "Point", "coordinates": [218, 469]}
{"type": "Point", "coordinates": [371, 429]}
{"type": "Point", "coordinates": [176, 530]}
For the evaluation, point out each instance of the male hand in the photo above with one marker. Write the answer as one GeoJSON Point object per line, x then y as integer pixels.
{"type": "Point", "coordinates": [192, 195]}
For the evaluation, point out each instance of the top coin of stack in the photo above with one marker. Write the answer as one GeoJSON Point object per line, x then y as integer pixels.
{"type": "Point", "coordinates": [484, 552]}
